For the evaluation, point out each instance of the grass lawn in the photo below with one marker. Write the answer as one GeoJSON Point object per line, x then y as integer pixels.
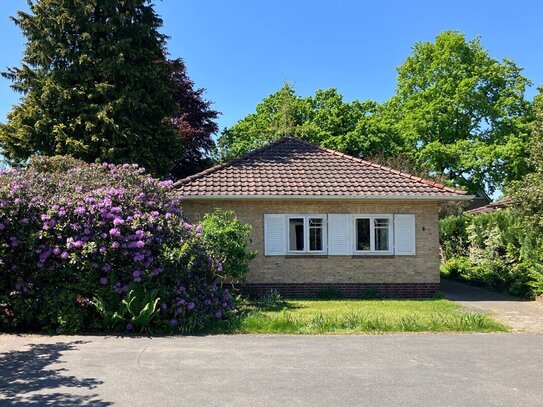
{"type": "Point", "coordinates": [359, 316]}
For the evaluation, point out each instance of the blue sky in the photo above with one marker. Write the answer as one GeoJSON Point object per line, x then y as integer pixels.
{"type": "Point", "coordinates": [241, 51]}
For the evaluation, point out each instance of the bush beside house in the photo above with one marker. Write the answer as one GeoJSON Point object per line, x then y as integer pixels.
{"type": "Point", "coordinates": [104, 247]}
{"type": "Point", "coordinates": [497, 248]}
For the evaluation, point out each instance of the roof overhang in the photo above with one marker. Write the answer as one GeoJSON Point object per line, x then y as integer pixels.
{"type": "Point", "coordinates": [327, 198]}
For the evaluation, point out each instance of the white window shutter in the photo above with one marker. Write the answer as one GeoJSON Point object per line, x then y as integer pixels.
{"type": "Point", "coordinates": [274, 235]}
{"type": "Point", "coordinates": [339, 228]}
{"type": "Point", "coordinates": [404, 235]}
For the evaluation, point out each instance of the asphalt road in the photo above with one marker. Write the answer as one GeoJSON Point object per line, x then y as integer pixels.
{"type": "Point", "coordinates": [380, 370]}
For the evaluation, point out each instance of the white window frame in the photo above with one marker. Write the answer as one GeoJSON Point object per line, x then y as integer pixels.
{"type": "Point", "coordinates": [306, 218]}
{"type": "Point", "coordinates": [372, 251]}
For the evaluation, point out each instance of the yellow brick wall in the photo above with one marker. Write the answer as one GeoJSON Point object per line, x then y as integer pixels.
{"type": "Point", "coordinates": [421, 268]}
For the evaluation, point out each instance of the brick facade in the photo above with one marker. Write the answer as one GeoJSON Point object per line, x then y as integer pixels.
{"type": "Point", "coordinates": [302, 275]}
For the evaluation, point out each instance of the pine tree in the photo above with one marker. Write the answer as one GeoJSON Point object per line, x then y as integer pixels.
{"type": "Point", "coordinates": [95, 84]}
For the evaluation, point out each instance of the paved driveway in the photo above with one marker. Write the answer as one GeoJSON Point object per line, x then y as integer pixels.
{"type": "Point", "coordinates": [521, 315]}
{"type": "Point", "coordinates": [380, 370]}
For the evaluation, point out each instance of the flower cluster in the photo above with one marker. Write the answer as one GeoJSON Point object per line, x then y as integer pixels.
{"type": "Point", "coordinates": [98, 230]}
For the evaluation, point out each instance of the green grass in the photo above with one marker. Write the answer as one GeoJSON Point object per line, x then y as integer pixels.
{"type": "Point", "coordinates": [359, 316]}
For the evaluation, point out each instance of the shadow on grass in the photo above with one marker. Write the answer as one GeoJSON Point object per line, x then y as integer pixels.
{"type": "Point", "coordinates": [26, 378]}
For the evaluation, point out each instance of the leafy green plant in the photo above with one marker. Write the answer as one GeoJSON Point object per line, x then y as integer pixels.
{"type": "Point", "coordinates": [271, 299]}
{"type": "Point", "coordinates": [141, 306]}
{"type": "Point", "coordinates": [227, 239]}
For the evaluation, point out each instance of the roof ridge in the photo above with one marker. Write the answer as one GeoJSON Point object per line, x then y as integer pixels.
{"type": "Point", "coordinates": [428, 182]}
{"type": "Point", "coordinates": [228, 163]}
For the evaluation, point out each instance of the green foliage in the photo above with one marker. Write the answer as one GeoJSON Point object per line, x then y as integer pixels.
{"type": "Point", "coordinates": [330, 292]}
{"type": "Point", "coordinates": [529, 191]}
{"type": "Point", "coordinates": [463, 112]}
{"type": "Point", "coordinates": [354, 128]}
{"type": "Point", "coordinates": [453, 235]}
{"type": "Point", "coordinates": [141, 306]}
{"type": "Point", "coordinates": [499, 248]}
{"type": "Point", "coordinates": [96, 85]}
{"type": "Point", "coordinates": [271, 299]}
{"type": "Point", "coordinates": [226, 238]}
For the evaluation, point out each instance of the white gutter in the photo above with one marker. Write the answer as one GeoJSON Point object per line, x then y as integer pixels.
{"type": "Point", "coordinates": [327, 197]}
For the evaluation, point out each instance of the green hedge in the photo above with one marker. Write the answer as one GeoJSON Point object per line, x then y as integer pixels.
{"type": "Point", "coordinates": [497, 248]}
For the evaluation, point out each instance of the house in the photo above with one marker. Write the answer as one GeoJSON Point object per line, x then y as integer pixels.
{"type": "Point", "coordinates": [493, 206]}
{"type": "Point", "coordinates": [322, 218]}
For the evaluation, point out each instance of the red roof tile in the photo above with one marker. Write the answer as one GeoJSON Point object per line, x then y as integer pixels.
{"type": "Point", "coordinates": [291, 167]}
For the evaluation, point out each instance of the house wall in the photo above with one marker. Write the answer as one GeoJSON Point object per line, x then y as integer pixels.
{"type": "Point", "coordinates": [305, 275]}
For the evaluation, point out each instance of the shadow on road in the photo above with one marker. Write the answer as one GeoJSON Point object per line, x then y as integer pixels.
{"type": "Point", "coordinates": [24, 372]}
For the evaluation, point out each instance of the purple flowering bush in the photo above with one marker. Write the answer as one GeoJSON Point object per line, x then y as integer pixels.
{"type": "Point", "coordinates": [101, 247]}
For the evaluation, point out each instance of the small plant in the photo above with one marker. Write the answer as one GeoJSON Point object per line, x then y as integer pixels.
{"type": "Point", "coordinates": [372, 293]}
{"type": "Point", "coordinates": [330, 292]}
{"type": "Point", "coordinates": [271, 299]}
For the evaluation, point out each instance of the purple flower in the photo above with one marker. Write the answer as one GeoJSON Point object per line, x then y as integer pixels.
{"type": "Point", "coordinates": [80, 210]}
{"type": "Point", "coordinates": [115, 232]}
{"type": "Point", "coordinates": [129, 326]}
{"type": "Point", "coordinates": [139, 244]}
{"type": "Point", "coordinates": [56, 251]}
{"type": "Point", "coordinates": [115, 245]}
{"type": "Point", "coordinates": [139, 233]}
{"type": "Point", "coordinates": [173, 322]}
{"type": "Point", "coordinates": [103, 281]}
{"type": "Point", "coordinates": [78, 243]}
{"type": "Point", "coordinates": [2, 226]}
{"type": "Point", "coordinates": [218, 314]}
{"type": "Point", "coordinates": [106, 268]}
{"type": "Point", "coordinates": [190, 306]}
{"type": "Point", "coordinates": [117, 222]}
{"type": "Point", "coordinates": [199, 228]}
{"type": "Point", "coordinates": [64, 255]}
{"type": "Point", "coordinates": [102, 249]}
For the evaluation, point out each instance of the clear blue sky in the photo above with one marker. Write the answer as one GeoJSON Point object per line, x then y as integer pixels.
{"type": "Point", "coordinates": [241, 51]}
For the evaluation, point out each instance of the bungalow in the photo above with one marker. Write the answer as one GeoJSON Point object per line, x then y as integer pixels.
{"type": "Point", "coordinates": [322, 218]}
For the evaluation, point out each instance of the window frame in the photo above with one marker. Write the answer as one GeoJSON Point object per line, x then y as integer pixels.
{"type": "Point", "coordinates": [306, 218]}
{"type": "Point", "coordinates": [372, 217]}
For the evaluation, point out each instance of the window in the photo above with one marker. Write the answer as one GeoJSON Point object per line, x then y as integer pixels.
{"type": "Point", "coordinates": [306, 233]}
{"type": "Point", "coordinates": [340, 234]}
{"type": "Point", "coordinates": [373, 234]}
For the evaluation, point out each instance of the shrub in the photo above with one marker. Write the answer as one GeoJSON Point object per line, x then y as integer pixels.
{"type": "Point", "coordinates": [330, 292]}
{"type": "Point", "coordinates": [271, 299]}
{"type": "Point", "coordinates": [91, 247]}
{"type": "Point", "coordinates": [499, 248]}
{"type": "Point", "coordinates": [226, 238]}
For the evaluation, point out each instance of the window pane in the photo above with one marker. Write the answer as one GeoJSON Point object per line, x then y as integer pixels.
{"type": "Point", "coordinates": [296, 234]}
{"type": "Point", "coordinates": [381, 234]}
{"type": "Point", "coordinates": [362, 234]}
{"type": "Point", "coordinates": [315, 234]}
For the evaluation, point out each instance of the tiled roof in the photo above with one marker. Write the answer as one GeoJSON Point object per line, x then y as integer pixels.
{"type": "Point", "coordinates": [493, 206]}
{"type": "Point", "coordinates": [294, 168]}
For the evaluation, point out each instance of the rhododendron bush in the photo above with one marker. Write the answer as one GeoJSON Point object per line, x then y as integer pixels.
{"type": "Point", "coordinates": [102, 247]}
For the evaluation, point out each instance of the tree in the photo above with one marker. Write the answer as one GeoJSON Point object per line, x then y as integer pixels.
{"type": "Point", "coordinates": [529, 191]}
{"type": "Point", "coordinates": [96, 85]}
{"type": "Point", "coordinates": [356, 128]}
{"type": "Point", "coordinates": [463, 113]}
{"type": "Point", "coordinates": [194, 121]}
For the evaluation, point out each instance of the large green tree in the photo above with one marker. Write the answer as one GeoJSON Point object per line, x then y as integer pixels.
{"type": "Point", "coordinates": [95, 83]}
{"type": "Point", "coordinates": [356, 128]}
{"type": "Point", "coordinates": [463, 113]}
